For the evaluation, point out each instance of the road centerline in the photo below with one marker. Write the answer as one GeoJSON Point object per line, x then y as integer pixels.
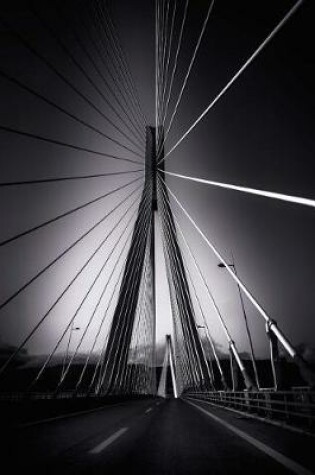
{"type": "Point", "coordinates": [103, 445]}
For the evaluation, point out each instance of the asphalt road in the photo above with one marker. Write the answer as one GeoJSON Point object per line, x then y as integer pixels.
{"type": "Point", "coordinates": [156, 437]}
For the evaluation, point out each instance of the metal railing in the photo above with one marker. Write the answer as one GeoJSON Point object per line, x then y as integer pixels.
{"type": "Point", "coordinates": [295, 407]}
{"type": "Point", "coordinates": [18, 396]}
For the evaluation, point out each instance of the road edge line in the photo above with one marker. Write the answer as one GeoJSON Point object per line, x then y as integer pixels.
{"type": "Point", "coordinates": [66, 416]}
{"type": "Point", "coordinates": [281, 425]}
{"type": "Point", "coordinates": [280, 458]}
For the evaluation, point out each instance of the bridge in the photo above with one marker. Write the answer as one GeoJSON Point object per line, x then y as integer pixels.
{"type": "Point", "coordinates": [134, 339]}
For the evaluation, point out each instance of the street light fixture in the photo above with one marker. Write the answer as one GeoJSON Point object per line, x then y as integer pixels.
{"type": "Point", "coordinates": [65, 359]}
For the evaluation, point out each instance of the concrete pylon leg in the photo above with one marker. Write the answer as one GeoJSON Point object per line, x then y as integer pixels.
{"type": "Point", "coordinates": [234, 372]}
{"type": "Point", "coordinates": [274, 359]}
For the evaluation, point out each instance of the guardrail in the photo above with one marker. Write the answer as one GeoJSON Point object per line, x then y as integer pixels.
{"type": "Point", "coordinates": [43, 396]}
{"type": "Point", "coordinates": [295, 407]}
{"type": "Point", "coordinates": [35, 396]}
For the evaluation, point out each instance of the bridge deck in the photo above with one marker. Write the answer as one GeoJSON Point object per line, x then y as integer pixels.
{"type": "Point", "coordinates": [156, 437]}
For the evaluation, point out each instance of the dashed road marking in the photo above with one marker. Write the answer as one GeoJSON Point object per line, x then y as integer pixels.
{"type": "Point", "coordinates": [103, 445]}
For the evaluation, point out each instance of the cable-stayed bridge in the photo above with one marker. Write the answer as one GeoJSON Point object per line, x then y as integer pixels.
{"type": "Point", "coordinates": [87, 385]}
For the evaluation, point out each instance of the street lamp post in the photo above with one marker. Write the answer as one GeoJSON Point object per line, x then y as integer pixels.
{"type": "Point", "coordinates": [65, 359]}
{"type": "Point", "coordinates": [221, 265]}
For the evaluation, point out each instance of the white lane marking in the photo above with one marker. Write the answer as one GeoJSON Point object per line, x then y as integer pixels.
{"type": "Point", "coordinates": [282, 459]}
{"type": "Point", "coordinates": [148, 410]}
{"type": "Point", "coordinates": [100, 447]}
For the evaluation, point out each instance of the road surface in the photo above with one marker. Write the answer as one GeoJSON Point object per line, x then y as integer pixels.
{"type": "Point", "coordinates": [157, 437]}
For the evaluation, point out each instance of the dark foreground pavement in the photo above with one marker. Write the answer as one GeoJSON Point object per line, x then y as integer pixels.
{"type": "Point", "coordinates": [156, 437]}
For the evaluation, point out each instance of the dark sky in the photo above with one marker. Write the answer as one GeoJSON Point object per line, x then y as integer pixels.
{"type": "Point", "coordinates": [260, 134]}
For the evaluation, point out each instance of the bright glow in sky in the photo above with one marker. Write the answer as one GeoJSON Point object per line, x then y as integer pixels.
{"type": "Point", "coordinates": [163, 305]}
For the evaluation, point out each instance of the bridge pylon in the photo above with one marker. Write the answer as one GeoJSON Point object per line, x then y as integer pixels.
{"type": "Point", "coordinates": [116, 356]}
{"type": "Point", "coordinates": [178, 283]}
{"type": "Point", "coordinates": [115, 362]}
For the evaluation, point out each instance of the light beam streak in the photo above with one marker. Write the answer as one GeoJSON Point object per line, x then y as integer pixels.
{"type": "Point", "coordinates": [267, 194]}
